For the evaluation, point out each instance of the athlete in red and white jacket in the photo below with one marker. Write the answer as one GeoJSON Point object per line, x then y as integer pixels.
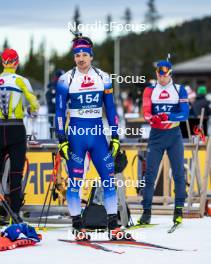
{"type": "Point", "coordinates": [166, 103]}
{"type": "Point", "coordinates": [164, 106]}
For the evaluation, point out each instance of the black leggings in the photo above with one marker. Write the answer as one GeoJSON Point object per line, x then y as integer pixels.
{"type": "Point", "coordinates": [13, 143]}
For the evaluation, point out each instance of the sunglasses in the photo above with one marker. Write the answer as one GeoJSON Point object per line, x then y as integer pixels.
{"type": "Point", "coordinates": [6, 62]}
{"type": "Point", "coordinates": [163, 70]}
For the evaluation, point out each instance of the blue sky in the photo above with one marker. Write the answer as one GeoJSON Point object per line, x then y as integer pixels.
{"type": "Point", "coordinates": [48, 19]}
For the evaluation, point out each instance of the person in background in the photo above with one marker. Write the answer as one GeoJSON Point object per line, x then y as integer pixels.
{"type": "Point", "coordinates": [201, 102]}
{"type": "Point", "coordinates": [51, 96]}
{"type": "Point", "coordinates": [191, 99]}
{"type": "Point", "coordinates": [128, 104]}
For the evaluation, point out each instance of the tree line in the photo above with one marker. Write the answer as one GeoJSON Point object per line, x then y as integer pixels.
{"type": "Point", "coordinates": [138, 50]}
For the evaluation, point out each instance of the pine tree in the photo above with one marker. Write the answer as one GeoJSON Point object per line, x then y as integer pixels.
{"type": "Point", "coordinates": [77, 18]}
{"type": "Point", "coordinates": [108, 21]}
{"type": "Point", "coordinates": [152, 16]}
{"type": "Point", "coordinates": [34, 65]}
{"type": "Point", "coordinates": [5, 44]}
{"type": "Point", "coordinates": [127, 16]}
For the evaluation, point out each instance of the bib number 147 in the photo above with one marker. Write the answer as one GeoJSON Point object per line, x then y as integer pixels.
{"type": "Point", "coordinates": [163, 108]}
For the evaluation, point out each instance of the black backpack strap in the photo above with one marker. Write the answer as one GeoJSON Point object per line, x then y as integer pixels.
{"type": "Point", "coordinates": [175, 88]}
{"type": "Point", "coordinates": [72, 75]}
{"type": "Point", "coordinates": [98, 72]}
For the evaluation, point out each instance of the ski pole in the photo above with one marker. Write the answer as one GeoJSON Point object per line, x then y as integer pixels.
{"type": "Point", "coordinates": [56, 163]}
{"type": "Point", "coordinates": [8, 209]}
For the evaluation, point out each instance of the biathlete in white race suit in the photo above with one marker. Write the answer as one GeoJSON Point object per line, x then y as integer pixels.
{"type": "Point", "coordinates": [83, 91]}
{"type": "Point", "coordinates": [164, 106]}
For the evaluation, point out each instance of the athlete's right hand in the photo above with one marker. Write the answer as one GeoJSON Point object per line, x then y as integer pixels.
{"type": "Point", "coordinates": [64, 149]}
{"type": "Point", "coordinates": [155, 119]}
{"type": "Point", "coordinates": [114, 146]}
{"type": "Point", "coordinates": [163, 116]}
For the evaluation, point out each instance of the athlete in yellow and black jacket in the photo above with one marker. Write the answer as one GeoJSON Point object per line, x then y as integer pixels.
{"type": "Point", "coordinates": [13, 88]}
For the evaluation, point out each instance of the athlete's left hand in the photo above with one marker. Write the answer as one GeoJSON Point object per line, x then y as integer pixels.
{"type": "Point", "coordinates": [114, 146]}
{"type": "Point", "coordinates": [30, 112]}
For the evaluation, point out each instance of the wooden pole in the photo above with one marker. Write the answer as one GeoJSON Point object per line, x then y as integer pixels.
{"type": "Point", "coordinates": [194, 163]}
{"type": "Point", "coordinates": [205, 179]}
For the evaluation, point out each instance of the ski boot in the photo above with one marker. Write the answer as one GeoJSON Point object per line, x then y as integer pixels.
{"type": "Point", "coordinates": [177, 219]}
{"type": "Point", "coordinates": [114, 231]}
{"type": "Point", "coordinates": [145, 218]}
{"type": "Point", "coordinates": [78, 231]}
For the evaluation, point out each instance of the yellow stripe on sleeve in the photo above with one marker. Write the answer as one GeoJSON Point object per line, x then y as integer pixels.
{"type": "Point", "coordinates": [34, 105]}
{"type": "Point", "coordinates": [108, 91]}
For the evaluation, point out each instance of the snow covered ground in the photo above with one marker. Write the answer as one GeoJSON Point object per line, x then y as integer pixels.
{"type": "Point", "coordinates": [194, 234]}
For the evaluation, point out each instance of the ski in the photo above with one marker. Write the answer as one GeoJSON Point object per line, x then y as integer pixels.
{"type": "Point", "coordinates": [138, 243]}
{"type": "Point", "coordinates": [137, 226]}
{"type": "Point", "coordinates": [133, 227]}
{"type": "Point", "coordinates": [129, 243]}
{"type": "Point", "coordinates": [97, 246]}
{"type": "Point", "coordinates": [51, 228]}
{"type": "Point", "coordinates": [92, 244]}
{"type": "Point", "coordinates": [174, 227]}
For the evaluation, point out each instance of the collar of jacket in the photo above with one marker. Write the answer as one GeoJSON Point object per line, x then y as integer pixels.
{"type": "Point", "coordinates": [165, 86]}
{"type": "Point", "coordinates": [9, 70]}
